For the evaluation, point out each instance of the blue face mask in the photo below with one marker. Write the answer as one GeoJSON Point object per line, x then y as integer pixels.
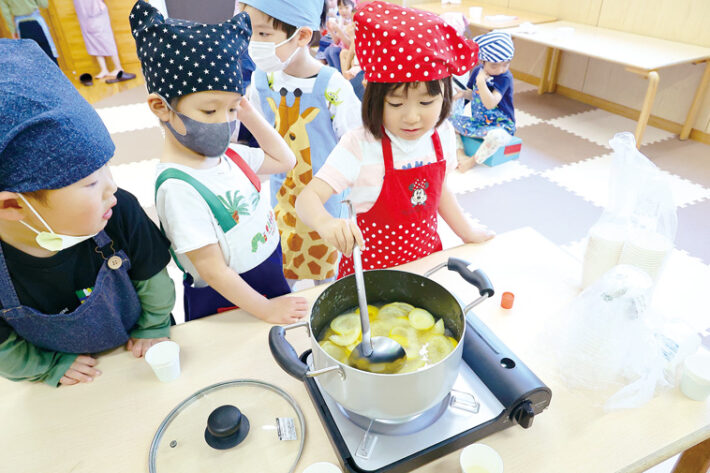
{"type": "Point", "coordinates": [209, 139]}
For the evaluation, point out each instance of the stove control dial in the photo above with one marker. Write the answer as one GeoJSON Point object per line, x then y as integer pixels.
{"type": "Point", "coordinates": [524, 414]}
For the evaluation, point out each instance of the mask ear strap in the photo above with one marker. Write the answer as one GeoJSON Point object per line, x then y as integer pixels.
{"type": "Point", "coordinates": [36, 215]}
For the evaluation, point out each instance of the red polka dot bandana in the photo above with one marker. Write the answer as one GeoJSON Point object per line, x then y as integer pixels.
{"type": "Point", "coordinates": [399, 44]}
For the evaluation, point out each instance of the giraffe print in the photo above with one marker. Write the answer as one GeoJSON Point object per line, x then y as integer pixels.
{"type": "Point", "coordinates": [305, 254]}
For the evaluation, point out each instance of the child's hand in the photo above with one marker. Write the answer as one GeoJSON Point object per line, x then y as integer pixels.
{"type": "Point", "coordinates": [342, 234]}
{"type": "Point", "coordinates": [140, 345]}
{"type": "Point", "coordinates": [481, 78]}
{"type": "Point", "coordinates": [245, 112]}
{"type": "Point", "coordinates": [464, 94]}
{"type": "Point", "coordinates": [478, 234]}
{"type": "Point", "coordinates": [81, 371]}
{"type": "Point", "coordinates": [284, 310]}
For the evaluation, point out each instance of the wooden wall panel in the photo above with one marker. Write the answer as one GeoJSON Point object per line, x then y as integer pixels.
{"type": "Point", "coordinates": [580, 11]}
{"type": "Point", "coordinates": [64, 20]}
{"type": "Point", "coordinates": [677, 20]}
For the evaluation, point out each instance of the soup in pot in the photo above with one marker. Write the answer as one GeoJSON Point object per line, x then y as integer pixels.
{"type": "Point", "coordinates": [425, 339]}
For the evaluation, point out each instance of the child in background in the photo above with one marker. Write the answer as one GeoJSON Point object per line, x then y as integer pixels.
{"type": "Point", "coordinates": [395, 166]}
{"type": "Point", "coordinates": [223, 233]}
{"type": "Point", "coordinates": [82, 267]}
{"type": "Point", "coordinates": [338, 30]}
{"type": "Point", "coordinates": [311, 106]}
{"type": "Point", "coordinates": [490, 90]}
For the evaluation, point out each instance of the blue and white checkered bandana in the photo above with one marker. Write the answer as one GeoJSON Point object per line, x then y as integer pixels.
{"type": "Point", "coordinates": [180, 57]}
{"type": "Point", "coordinates": [496, 46]}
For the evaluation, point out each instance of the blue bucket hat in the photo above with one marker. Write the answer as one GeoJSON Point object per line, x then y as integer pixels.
{"type": "Point", "coordinates": [50, 137]}
{"type": "Point", "coordinates": [296, 13]}
{"type": "Point", "coordinates": [180, 57]}
{"type": "Point", "coordinates": [496, 46]}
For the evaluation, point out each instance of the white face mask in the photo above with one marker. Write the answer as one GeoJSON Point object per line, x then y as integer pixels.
{"type": "Point", "coordinates": [49, 240]}
{"type": "Point", "coordinates": [263, 53]}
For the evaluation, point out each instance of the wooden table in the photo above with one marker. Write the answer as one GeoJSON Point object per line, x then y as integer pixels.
{"type": "Point", "coordinates": [487, 19]}
{"type": "Point", "coordinates": [639, 54]}
{"type": "Point", "coordinates": [107, 426]}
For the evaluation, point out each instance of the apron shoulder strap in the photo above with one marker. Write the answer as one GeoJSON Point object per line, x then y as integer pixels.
{"type": "Point", "coordinates": [248, 172]}
{"type": "Point", "coordinates": [322, 79]}
{"type": "Point", "coordinates": [437, 146]}
{"type": "Point", "coordinates": [387, 152]}
{"type": "Point", "coordinates": [220, 212]}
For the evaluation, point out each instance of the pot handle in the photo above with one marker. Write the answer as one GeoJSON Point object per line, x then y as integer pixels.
{"type": "Point", "coordinates": [476, 277]}
{"type": "Point", "coordinates": [284, 353]}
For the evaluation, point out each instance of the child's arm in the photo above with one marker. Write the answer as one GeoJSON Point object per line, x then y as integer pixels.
{"type": "Point", "coordinates": [278, 157]}
{"type": "Point", "coordinates": [157, 298]}
{"type": "Point", "coordinates": [489, 99]}
{"type": "Point", "coordinates": [452, 214]}
{"type": "Point", "coordinates": [210, 264]}
{"type": "Point", "coordinates": [22, 361]}
{"type": "Point", "coordinates": [338, 232]}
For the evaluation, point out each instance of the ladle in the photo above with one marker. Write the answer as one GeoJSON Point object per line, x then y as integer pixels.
{"type": "Point", "coordinates": [374, 354]}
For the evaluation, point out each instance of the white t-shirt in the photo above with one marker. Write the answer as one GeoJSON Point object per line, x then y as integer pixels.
{"type": "Point", "coordinates": [189, 223]}
{"type": "Point", "coordinates": [357, 162]}
{"type": "Point", "coordinates": [346, 115]}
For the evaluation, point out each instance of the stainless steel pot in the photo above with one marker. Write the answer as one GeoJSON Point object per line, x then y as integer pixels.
{"type": "Point", "coordinates": [390, 397]}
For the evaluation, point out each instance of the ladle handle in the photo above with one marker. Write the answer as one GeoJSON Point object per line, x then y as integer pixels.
{"type": "Point", "coordinates": [366, 345]}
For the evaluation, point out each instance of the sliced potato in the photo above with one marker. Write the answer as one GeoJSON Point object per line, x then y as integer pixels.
{"type": "Point", "coordinates": [395, 309]}
{"type": "Point", "coordinates": [453, 342]}
{"type": "Point", "coordinates": [438, 328]}
{"type": "Point", "coordinates": [346, 323]}
{"type": "Point", "coordinates": [437, 348]}
{"type": "Point", "coordinates": [371, 311]}
{"type": "Point", "coordinates": [421, 319]}
{"type": "Point", "coordinates": [345, 339]}
{"type": "Point", "coordinates": [337, 352]}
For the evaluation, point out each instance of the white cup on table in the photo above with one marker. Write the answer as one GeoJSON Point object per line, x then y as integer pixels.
{"type": "Point", "coordinates": [480, 458]}
{"type": "Point", "coordinates": [475, 13]}
{"type": "Point", "coordinates": [164, 359]}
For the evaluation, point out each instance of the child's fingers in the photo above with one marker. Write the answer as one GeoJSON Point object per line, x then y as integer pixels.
{"type": "Point", "coordinates": [86, 360]}
{"type": "Point", "coordinates": [359, 239]}
{"type": "Point", "coordinates": [67, 381]}
{"type": "Point", "coordinates": [79, 375]}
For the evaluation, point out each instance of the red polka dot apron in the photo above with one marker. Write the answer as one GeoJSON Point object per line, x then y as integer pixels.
{"type": "Point", "coordinates": [401, 225]}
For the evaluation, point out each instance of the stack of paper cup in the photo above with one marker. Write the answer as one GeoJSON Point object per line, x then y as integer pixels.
{"type": "Point", "coordinates": [695, 382]}
{"type": "Point", "coordinates": [606, 241]}
{"type": "Point", "coordinates": [475, 13]}
{"type": "Point", "coordinates": [164, 358]}
{"type": "Point", "coordinates": [647, 251]}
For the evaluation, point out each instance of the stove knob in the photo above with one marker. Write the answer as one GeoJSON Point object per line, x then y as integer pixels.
{"type": "Point", "coordinates": [524, 414]}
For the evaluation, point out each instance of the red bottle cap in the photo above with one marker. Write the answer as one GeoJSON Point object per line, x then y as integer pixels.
{"type": "Point", "coordinates": [506, 300]}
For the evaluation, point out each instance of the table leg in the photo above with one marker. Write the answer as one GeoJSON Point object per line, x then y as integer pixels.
{"type": "Point", "coordinates": [541, 89]}
{"type": "Point", "coordinates": [697, 100]}
{"type": "Point", "coordinates": [695, 459]}
{"type": "Point", "coordinates": [552, 82]}
{"type": "Point", "coordinates": [652, 77]}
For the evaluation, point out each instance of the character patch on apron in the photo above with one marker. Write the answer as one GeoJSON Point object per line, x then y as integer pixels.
{"type": "Point", "coordinates": [418, 189]}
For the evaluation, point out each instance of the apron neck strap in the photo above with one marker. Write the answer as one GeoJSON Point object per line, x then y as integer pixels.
{"type": "Point", "coordinates": [387, 149]}
{"type": "Point", "coordinates": [101, 239]}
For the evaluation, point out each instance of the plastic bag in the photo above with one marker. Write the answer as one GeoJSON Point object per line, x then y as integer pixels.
{"type": "Point", "coordinates": [608, 340]}
{"type": "Point", "coordinates": [640, 222]}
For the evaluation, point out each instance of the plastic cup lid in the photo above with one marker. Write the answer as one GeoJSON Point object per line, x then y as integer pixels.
{"type": "Point", "coordinates": [244, 424]}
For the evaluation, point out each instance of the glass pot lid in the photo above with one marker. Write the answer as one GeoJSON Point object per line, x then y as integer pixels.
{"type": "Point", "coordinates": [235, 426]}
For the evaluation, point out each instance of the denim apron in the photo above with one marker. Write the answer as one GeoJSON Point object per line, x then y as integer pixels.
{"type": "Point", "coordinates": [305, 254]}
{"type": "Point", "coordinates": [102, 322]}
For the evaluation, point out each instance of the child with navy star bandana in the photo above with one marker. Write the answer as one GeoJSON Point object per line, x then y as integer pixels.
{"type": "Point", "coordinates": [223, 234]}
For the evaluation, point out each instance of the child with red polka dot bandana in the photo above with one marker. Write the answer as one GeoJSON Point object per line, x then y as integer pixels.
{"type": "Point", "coordinates": [395, 165]}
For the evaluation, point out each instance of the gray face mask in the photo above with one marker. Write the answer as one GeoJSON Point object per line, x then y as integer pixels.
{"type": "Point", "coordinates": [209, 139]}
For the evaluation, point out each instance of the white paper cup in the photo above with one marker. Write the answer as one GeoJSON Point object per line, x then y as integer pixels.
{"type": "Point", "coordinates": [475, 13]}
{"type": "Point", "coordinates": [695, 382]}
{"type": "Point", "coordinates": [322, 467]}
{"type": "Point", "coordinates": [164, 358]}
{"type": "Point", "coordinates": [480, 458]}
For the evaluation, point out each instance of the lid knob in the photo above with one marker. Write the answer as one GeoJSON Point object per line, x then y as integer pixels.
{"type": "Point", "coordinates": [227, 427]}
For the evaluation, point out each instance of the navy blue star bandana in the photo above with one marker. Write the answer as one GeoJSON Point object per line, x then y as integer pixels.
{"type": "Point", "coordinates": [50, 137]}
{"type": "Point", "coordinates": [296, 13]}
{"type": "Point", "coordinates": [496, 46]}
{"type": "Point", "coordinates": [180, 57]}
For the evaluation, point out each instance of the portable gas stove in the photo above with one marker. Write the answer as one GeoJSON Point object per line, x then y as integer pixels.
{"type": "Point", "coordinates": [494, 390]}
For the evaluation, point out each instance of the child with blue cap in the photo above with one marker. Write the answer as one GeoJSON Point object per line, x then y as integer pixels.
{"type": "Point", "coordinates": [490, 90]}
{"type": "Point", "coordinates": [312, 106]}
{"type": "Point", "coordinates": [82, 268]}
{"type": "Point", "coordinates": [223, 234]}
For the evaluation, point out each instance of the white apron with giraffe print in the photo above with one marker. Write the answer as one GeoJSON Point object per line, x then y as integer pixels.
{"type": "Point", "coordinates": [307, 128]}
{"type": "Point", "coordinates": [242, 220]}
